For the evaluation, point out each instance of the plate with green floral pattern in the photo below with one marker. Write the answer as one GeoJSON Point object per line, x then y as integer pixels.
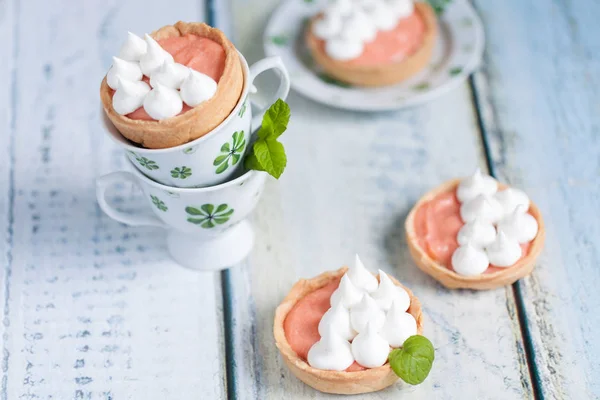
{"type": "Point", "coordinates": [456, 55]}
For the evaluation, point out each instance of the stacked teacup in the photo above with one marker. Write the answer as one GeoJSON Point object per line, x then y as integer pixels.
{"type": "Point", "coordinates": [198, 190]}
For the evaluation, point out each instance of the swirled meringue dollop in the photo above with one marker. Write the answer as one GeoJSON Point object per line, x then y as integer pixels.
{"type": "Point", "coordinates": [347, 294]}
{"type": "Point", "coordinates": [468, 260]}
{"type": "Point", "coordinates": [369, 348]}
{"type": "Point", "coordinates": [383, 17]}
{"type": "Point", "coordinates": [399, 325]}
{"type": "Point", "coordinates": [364, 312]}
{"type": "Point", "coordinates": [340, 7]}
{"type": "Point", "coordinates": [343, 49]}
{"type": "Point", "coordinates": [126, 70]}
{"type": "Point", "coordinates": [197, 88]}
{"type": "Point", "coordinates": [477, 232]}
{"type": "Point", "coordinates": [338, 317]}
{"type": "Point", "coordinates": [388, 292]}
{"type": "Point", "coordinates": [154, 57]}
{"type": "Point", "coordinates": [163, 102]}
{"type": "Point", "coordinates": [170, 75]}
{"type": "Point", "coordinates": [129, 96]}
{"type": "Point", "coordinates": [361, 277]}
{"type": "Point", "coordinates": [510, 198]}
{"type": "Point", "coordinates": [359, 27]}
{"type": "Point", "coordinates": [476, 184]}
{"type": "Point", "coordinates": [329, 26]}
{"type": "Point", "coordinates": [331, 352]}
{"type": "Point", "coordinates": [519, 225]}
{"type": "Point", "coordinates": [401, 8]}
{"type": "Point", "coordinates": [504, 251]}
{"type": "Point", "coordinates": [133, 49]}
{"type": "Point", "coordinates": [484, 207]}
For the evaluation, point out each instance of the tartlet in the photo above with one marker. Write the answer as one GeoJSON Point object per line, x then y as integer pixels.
{"type": "Point", "coordinates": [382, 74]}
{"type": "Point", "coordinates": [485, 281]}
{"type": "Point", "coordinates": [195, 122]}
{"type": "Point", "coordinates": [339, 382]}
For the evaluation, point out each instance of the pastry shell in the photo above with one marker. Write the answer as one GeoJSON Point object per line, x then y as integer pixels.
{"type": "Point", "coordinates": [485, 281]}
{"type": "Point", "coordinates": [195, 122]}
{"type": "Point", "coordinates": [383, 74]}
{"type": "Point", "coordinates": [339, 382]}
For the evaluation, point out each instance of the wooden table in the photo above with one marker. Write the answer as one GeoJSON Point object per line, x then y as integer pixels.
{"type": "Point", "coordinates": [92, 309]}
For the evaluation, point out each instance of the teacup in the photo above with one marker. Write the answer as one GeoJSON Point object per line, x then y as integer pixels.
{"type": "Point", "coordinates": [215, 157]}
{"type": "Point", "coordinates": [207, 227]}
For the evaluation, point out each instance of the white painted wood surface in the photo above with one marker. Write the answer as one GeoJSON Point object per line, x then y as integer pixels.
{"type": "Point", "coordinates": [92, 309]}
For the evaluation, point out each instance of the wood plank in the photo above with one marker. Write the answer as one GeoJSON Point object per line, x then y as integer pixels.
{"type": "Point", "coordinates": [96, 310]}
{"type": "Point", "coordinates": [540, 97]}
{"type": "Point", "coordinates": [351, 180]}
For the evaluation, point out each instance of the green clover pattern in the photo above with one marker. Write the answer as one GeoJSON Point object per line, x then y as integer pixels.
{"type": "Point", "coordinates": [230, 151]}
{"type": "Point", "coordinates": [181, 172]}
{"type": "Point", "coordinates": [243, 108]}
{"type": "Point", "coordinates": [208, 216]}
{"type": "Point", "coordinates": [159, 203]}
{"type": "Point", "coordinates": [146, 163]}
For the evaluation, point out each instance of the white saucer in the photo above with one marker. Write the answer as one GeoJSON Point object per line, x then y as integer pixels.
{"type": "Point", "coordinates": [456, 55]}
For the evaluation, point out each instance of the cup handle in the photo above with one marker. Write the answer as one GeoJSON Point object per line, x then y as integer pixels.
{"type": "Point", "coordinates": [104, 182]}
{"type": "Point", "coordinates": [284, 84]}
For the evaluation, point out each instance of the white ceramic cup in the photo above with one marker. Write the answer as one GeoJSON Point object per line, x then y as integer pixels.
{"type": "Point", "coordinates": [217, 156]}
{"type": "Point", "coordinates": [207, 227]}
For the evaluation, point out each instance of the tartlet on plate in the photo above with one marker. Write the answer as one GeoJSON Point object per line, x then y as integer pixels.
{"type": "Point", "coordinates": [485, 281]}
{"type": "Point", "coordinates": [339, 382]}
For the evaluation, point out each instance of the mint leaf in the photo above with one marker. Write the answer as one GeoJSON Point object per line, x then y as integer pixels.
{"type": "Point", "coordinates": [275, 121]}
{"type": "Point", "coordinates": [413, 361]}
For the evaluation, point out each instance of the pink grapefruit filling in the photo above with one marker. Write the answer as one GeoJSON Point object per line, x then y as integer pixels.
{"type": "Point", "coordinates": [437, 223]}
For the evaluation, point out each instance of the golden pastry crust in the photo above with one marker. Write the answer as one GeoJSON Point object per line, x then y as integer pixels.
{"type": "Point", "coordinates": [193, 123]}
{"type": "Point", "coordinates": [377, 75]}
{"type": "Point", "coordinates": [485, 281]}
{"type": "Point", "coordinates": [339, 382]}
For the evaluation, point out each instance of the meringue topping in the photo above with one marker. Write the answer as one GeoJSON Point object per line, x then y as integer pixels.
{"type": "Point", "coordinates": [340, 7]}
{"type": "Point", "coordinates": [402, 8]}
{"type": "Point", "coordinates": [329, 26]}
{"type": "Point", "coordinates": [484, 207]}
{"type": "Point", "coordinates": [359, 27]}
{"type": "Point", "coordinates": [476, 184]}
{"type": "Point", "coordinates": [155, 56]}
{"type": "Point", "coordinates": [197, 88]}
{"type": "Point", "coordinates": [343, 49]}
{"type": "Point", "coordinates": [122, 69]}
{"type": "Point", "coordinates": [361, 277]}
{"type": "Point", "coordinates": [331, 352]}
{"type": "Point", "coordinates": [468, 260]}
{"type": "Point", "coordinates": [170, 75]}
{"type": "Point", "coordinates": [163, 102]}
{"type": "Point", "coordinates": [366, 311]}
{"type": "Point", "coordinates": [388, 292]}
{"type": "Point", "coordinates": [477, 232]}
{"type": "Point", "coordinates": [519, 225]}
{"type": "Point", "coordinates": [347, 294]}
{"type": "Point", "coordinates": [510, 198]}
{"type": "Point", "coordinates": [129, 96]}
{"type": "Point", "coordinates": [399, 326]}
{"type": "Point", "coordinates": [338, 317]}
{"type": "Point", "coordinates": [382, 16]}
{"type": "Point", "coordinates": [504, 251]}
{"type": "Point", "coordinates": [133, 49]}
{"type": "Point", "coordinates": [369, 348]}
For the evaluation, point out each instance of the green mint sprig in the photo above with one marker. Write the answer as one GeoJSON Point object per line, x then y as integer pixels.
{"type": "Point", "coordinates": [267, 154]}
{"type": "Point", "coordinates": [412, 362]}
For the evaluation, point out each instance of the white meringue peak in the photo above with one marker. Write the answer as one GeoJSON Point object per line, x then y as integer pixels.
{"type": "Point", "coordinates": [170, 75]}
{"type": "Point", "coordinates": [364, 312]}
{"type": "Point", "coordinates": [163, 102]}
{"type": "Point", "coordinates": [337, 317]}
{"type": "Point", "coordinates": [361, 277]}
{"type": "Point", "coordinates": [154, 57]}
{"type": "Point", "coordinates": [519, 225]}
{"type": "Point", "coordinates": [388, 292]}
{"type": "Point", "coordinates": [331, 352]}
{"type": "Point", "coordinates": [359, 27]}
{"type": "Point", "coordinates": [401, 8]}
{"type": "Point", "coordinates": [129, 96]}
{"type": "Point", "coordinates": [133, 49]}
{"type": "Point", "coordinates": [504, 251]}
{"type": "Point", "coordinates": [383, 17]}
{"type": "Point", "coordinates": [370, 349]}
{"type": "Point", "coordinates": [477, 232]}
{"type": "Point", "coordinates": [484, 207]}
{"type": "Point", "coordinates": [197, 88]}
{"type": "Point", "coordinates": [468, 260]}
{"type": "Point", "coordinates": [399, 326]}
{"type": "Point", "coordinates": [510, 198]}
{"type": "Point", "coordinates": [329, 26]}
{"type": "Point", "coordinates": [474, 185]}
{"type": "Point", "coordinates": [126, 70]}
{"type": "Point", "coordinates": [343, 49]}
{"type": "Point", "coordinates": [347, 294]}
